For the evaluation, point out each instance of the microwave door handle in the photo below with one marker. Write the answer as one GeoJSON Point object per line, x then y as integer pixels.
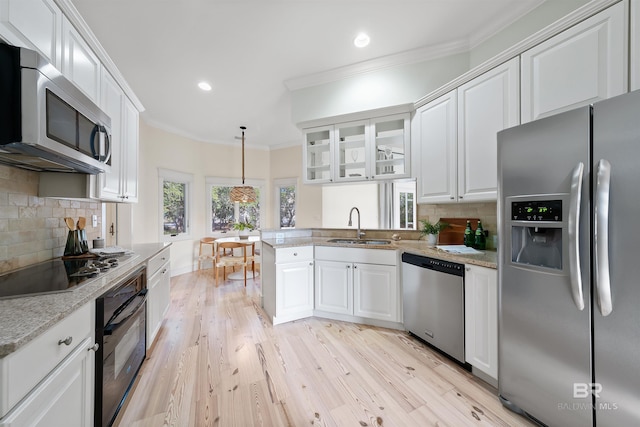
{"type": "Point", "coordinates": [601, 238]}
{"type": "Point", "coordinates": [107, 145]}
{"type": "Point", "coordinates": [575, 272]}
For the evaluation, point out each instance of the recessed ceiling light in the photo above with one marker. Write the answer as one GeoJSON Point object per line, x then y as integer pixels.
{"type": "Point", "coordinates": [361, 40]}
{"type": "Point", "coordinates": [204, 86]}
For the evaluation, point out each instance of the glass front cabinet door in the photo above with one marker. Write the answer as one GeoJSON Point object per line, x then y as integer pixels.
{"type": "Point", "coordinates": [390, 142]}
{"type": "Point", "coordinates": [358, 151]}
{"type": "Point", "coordinates": [318, 153]}
{"type": "Point", "coordinates": [352, 154]}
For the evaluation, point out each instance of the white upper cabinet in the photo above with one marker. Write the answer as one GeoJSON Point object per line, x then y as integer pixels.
{"type": "Point", "coordinates": [635, 44]}
{"type": "Point", "coordinates": [434, 149]}
{"type": "Point", "coordinates": [455, 137]}
{"type": "Point", "coordinates": [79, 63]}
{"type": "Point", "coordinates": [120, 184]}
{"type": "Point", "coordinates": [112, 103]}
{"type": "Point", "coordinates": [486, 105]}
{"type": "Point", "coordinates": [318, 154]}
{"type": "Point", "coordinates": [33, 24]}
{"type": "Point", "coordinates": [130, 148]}
{"type": "Point", "coordinates": [371, 149]}
{"type": "Point", "coordinates": [584, 64]}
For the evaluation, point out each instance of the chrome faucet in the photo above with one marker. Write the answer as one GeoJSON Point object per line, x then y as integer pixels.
{"type": "Point", "coordinates": [359, 233]}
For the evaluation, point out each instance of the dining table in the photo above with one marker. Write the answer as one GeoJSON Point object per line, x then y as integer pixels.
{"type": "Point", "coordinates": [238, 275]}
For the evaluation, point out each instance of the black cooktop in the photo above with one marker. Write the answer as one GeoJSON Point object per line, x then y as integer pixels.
{"type": "Point", "coordinates": [51, 276]}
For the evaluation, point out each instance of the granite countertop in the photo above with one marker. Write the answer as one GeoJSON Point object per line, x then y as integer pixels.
{"type": "Point", "coordinates": [25, 318]}
{"type": "Point", "coordinates": [485, 259]}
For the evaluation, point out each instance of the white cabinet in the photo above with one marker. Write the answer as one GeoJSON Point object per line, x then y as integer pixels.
{"type": "Point", "coordinates": [357, 284]}
{"type": "Point", "coordinates": [33, 24]}
{"type": "Point", "coordinates": [50, 381]}
{"type": "Point", "coordinates": [287, 282]}
{"type": "Point", "coordinates": [584, 64]}
{"type": "Point", "coordinates": [486, 105]}
{"type": "Point", "coordinates": [635, 45]}
{"type": "Point", "coordinates": [120, 184]}
{"type": "Point", "coordinates": [334, 287]}
{"type": "Point", "coordinates": [371, 149]}
{"type": "Point", "coordinates": [481, 319]}
{"type": "Point", "coordinates": [64, 398]}
{"type": "Point", "coordinates": [79, 63]}
{"type": "Point", "coordinates": [455, 143]}
{"type": "Point", "coordinates": [375, 291]}
{"type": "Point", "coordinates": [159, 289]}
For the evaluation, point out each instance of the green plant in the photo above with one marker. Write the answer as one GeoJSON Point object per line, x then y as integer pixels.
{"type": "Point", "coordinates": [242, 226]}
{"type": "Point", "coordinates": [429, 228]}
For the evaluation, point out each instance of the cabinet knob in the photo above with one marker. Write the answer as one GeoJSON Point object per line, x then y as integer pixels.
{"type": "Point", "coordinates": [452, 197]}
{"type": "Point", "coordinates": [467, 269]}
{"type": "Point", "coordinates": [295, 254]}
{"type": "Point", "coordinates": [355, 266]}
{"type": "Point", "coordinates": [66, 341]}
{"type": "Point", "coordinates": [310, 263]}
{"type": "Point", "coordinates": [164, 270]}
{"type": "Point", "coordinates": [348, 266]}
{"type": "Point", "coordinates": [460, 197]}
{"type": "Point", "coordinates": [94, 347]}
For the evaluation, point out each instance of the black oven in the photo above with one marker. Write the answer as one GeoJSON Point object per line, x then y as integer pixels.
{"type": "Point", "coordinates": [121, 333]}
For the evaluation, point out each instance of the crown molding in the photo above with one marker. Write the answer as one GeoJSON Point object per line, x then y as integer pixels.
{"type": "Point", "coordinates": [403, 58]}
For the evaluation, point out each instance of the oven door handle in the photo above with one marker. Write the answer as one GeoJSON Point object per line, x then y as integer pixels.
{"type": "Point", "coordinates": [128, 311]}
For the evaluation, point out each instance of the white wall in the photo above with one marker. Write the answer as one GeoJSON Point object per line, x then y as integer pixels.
{"type": "Point", "coordinates": [160, 149]}
{"type": "Point", "coordinates": [343, 198]}
{"type": "Point", "coordinates": [378, 89]}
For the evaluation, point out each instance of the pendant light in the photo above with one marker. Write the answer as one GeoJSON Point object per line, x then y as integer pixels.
{"type": "Point", "coordinates": [244, 193]}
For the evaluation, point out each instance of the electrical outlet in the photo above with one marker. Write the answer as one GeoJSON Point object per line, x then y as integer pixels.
{"type": "Point", "coordinates": [94, 220]}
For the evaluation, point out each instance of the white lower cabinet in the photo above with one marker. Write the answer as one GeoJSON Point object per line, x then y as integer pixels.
{"type": "Point", "coordinates": [481, 319]}
{"type": "Point", "coordinates": [357, 284]}
{"type": "Point", "coordinates": [50, 381]}
{"type": "Point", "coordinates": [287, 283]}
{"type": "Point", "coordinates": [159, 288]}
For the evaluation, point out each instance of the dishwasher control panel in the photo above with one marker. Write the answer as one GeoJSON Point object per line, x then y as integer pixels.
{"type": "Point", "coordinates": [448, 267]}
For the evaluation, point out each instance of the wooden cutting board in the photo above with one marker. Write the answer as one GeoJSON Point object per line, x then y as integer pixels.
{"type": "Point", "coordinates": [454, 234]}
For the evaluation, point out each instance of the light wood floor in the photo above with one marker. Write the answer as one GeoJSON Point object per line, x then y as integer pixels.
{"type": "Point", "coordinates": [218, 361]}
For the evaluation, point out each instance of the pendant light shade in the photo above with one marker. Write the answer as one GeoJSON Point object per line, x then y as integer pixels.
{"type": "Point", "coordinates": [243, 193]}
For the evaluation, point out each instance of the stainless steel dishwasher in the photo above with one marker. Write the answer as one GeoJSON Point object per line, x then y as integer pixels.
{"type": "Point", "coordinates": [433, 298]}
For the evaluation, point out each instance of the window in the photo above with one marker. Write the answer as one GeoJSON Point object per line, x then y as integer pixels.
{"type": "Point", "coordinates": [223, 213]}
{"type": "Point", "coordinates": [175, 201]}
{"type": "Point", "coordinates": [404, 206]}
{"type": "Point", "coordinates": [285, 203]}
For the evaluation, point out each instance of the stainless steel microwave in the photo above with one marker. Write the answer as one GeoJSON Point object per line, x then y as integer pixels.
{"type": "Point", "coordinates": [47, 123]}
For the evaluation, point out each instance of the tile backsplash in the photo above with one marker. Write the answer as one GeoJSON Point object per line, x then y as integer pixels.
{"type": "Point", "coordinates": [32, 228]}
{"type": "Point", "coordinates": [487, 212]}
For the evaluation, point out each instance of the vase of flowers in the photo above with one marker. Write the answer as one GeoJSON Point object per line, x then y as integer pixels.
{"type": "Point", "coordinates": [243, 228]}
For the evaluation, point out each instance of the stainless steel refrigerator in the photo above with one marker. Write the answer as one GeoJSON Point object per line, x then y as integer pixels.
{"type": "Point", "coordinates": [569, 266]}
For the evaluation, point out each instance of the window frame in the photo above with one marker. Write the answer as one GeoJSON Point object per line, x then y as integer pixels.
{"type": "Point", "coordinates": [212, 181]}
{"type": "Point", "coordinates": [277, 185]}
{"type": "Point", "coordinates": [179, 177]}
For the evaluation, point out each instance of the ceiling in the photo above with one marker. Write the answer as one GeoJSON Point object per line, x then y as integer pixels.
{"type": "Point", "coordinates": [247, 49]}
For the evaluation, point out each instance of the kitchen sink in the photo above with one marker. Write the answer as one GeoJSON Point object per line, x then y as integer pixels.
{"type": "Point", "coordinates": [360, 241]}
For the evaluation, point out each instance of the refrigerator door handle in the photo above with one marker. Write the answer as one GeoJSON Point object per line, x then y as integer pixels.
{"type": "Point", "coordinates": [575, 272]}
{"type": "Point", "coordinates": [601, 239]}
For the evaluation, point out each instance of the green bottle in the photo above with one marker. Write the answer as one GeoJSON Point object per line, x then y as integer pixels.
{"type": "Point", "coordinates": [480, 241]}
{"type": "Point", "coordinates": [468, 235]}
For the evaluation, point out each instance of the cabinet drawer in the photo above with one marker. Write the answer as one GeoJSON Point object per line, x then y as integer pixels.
{"type": "Point", "coordinates": [22, 370]}
{"type": "Point", "coordinates": [294, 254]}
{"type": "Point", "coordinates": [157, 261]}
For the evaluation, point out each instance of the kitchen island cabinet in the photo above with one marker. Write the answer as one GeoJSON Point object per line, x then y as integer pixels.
{"type": "Point", "coordinates": [287, 283]}
{"type": "Point", "coordinates": [158, 284]}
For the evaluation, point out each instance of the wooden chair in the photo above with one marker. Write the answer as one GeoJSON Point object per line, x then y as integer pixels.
{"type": "Point", "coordinates": [204, 255]}
{"type": "Point", "coordinates": [223, 260]}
